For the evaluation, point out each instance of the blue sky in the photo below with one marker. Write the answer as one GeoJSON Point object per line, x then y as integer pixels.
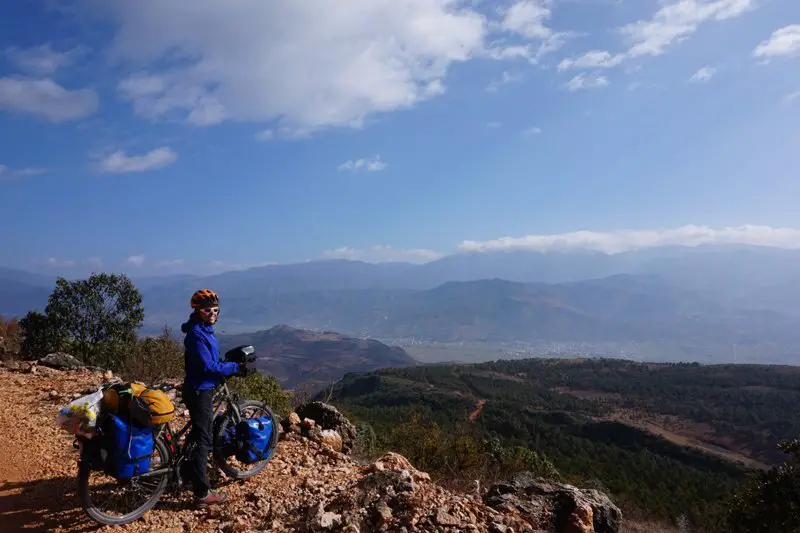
{"type": "Point", "coordinates": [168, 136]}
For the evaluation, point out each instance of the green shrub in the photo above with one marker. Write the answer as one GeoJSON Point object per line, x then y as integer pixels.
{"type": "Point", "coordinates": [40, 336]}
{"type": "Point", "coordinates": [366, 444]}
{"type": "Point", "coordinates": [770, 502]}
{"type": "Point", "coordinates": [10, 338]}
{"type": "Point", "coordinates": [153, 360]}
{"type": "Point", "coordinates": [265, 389]}
{"type": "Point", "coordinates": [507, 461]}
{"type": "Point", "coordinates": [461, 455]}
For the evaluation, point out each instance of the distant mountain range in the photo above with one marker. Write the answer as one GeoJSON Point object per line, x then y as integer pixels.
{"type": "Point", "coordinates": [310, 359]}
{"type": "Point", "coordinates": [692, 295]}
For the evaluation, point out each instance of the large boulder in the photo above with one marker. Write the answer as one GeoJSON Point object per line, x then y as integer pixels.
{"type": "Point", "coordinates": [325, 417]}
{"type": "Point", "coordinates": [571, 510]}
{"type": "Point", "coordinates": [60, 361]}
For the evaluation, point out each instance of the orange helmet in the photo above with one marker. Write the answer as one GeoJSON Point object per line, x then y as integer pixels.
{"type": "Point", "coordinates": [204, 298]}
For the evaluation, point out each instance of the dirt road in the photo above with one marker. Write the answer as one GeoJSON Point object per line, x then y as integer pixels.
{"type": "Point", "coordinates": [37, 461]}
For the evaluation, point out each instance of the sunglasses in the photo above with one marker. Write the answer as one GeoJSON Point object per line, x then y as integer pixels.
{"type": "Point", "coordinates": [209, 310]}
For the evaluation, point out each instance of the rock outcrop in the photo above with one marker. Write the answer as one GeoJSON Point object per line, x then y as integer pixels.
{"type": "Point", "coordinates": [325, 418]}
{"type": "Point", "coordinates": [60, 361]}
{"type": "Point", "coordinates": [570, 509]}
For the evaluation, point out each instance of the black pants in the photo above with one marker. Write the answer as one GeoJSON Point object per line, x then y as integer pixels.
{"type": "Point", "coordinates": [201, 412]}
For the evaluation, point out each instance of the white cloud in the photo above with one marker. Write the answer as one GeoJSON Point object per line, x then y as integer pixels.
{"type": "Point", "coordinates": [791, 97]}
{"type": "Point", "coordinates": [59, 263]}
{"type": "Point", "coordinates": [283, 133]}
{"type": "Point", "coordinates": [265, 135]}
{"type": "Point", "coordinates": [308, 64]}
{"type": "Point", "coordinates": [494, 124]}
{"type": "Point", "coordinates": [703, 75]}
{"type": "Point", "coordinates": [383, 253]}
{"type": "Point", "coordinates": [372, 164]}
{"type": "Point", "coordinates": [527, 18]}
{"type": "Point", "coordinates": [224, 266]}
{"type": "Point", "coordinates": [620, 241]}
{"type": "Point", "coordinates": [8, 173]}
{"type": "Point", "coordinates": [532, 131]}
{"type": "Point", "coordinates": [42, 60]}
{"type": "Point", "coordinates": [592, 59]}
{"type": "Point", "coordinates": [505, 79]}
{"type": "Point", "coordinates": [676, 21]}
{"type": "Point", "coordinates": [783, 42]}
{"type": "Point", "coordinates": [672, 23]}
{"type": "Point", "coordinates": [135, 260]}
{"type": "Point", "coordinates": [119, 161]}
{"type": "Point", "coordinates": [584, 81]}
{"type": "Point", "coordinates": [171, 263]}
{"type": "Point", "coordinates": [46, 99]}
{"type": "Point", "coordinates": [52, 262]}
{"type": "Point", "coordinates": [153, 96]}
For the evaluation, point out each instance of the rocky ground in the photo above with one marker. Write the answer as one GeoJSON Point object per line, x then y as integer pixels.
{"type": "Point", "coordinates": [309, 485]}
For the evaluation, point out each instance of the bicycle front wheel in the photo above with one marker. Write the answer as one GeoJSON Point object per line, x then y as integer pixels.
{"type": "Point", "coordinates": [111, 503]}
{"type": "Point", "coordinates": [232, 467]}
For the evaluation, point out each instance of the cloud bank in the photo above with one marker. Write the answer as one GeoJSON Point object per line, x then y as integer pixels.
{"type": "Point", "coordinates": [626, 240]}
{"type": "Point", "coordinates": [382, 253]}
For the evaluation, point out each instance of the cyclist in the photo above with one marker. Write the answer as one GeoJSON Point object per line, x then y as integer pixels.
{"type": "Point", "coordinates": [204, 372]}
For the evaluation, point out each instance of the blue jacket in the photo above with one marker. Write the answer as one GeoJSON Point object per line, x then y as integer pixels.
{"type": "Point", "coordinates": [204, 370]}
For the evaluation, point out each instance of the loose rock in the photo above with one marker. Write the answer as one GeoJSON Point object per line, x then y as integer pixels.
{"type": "Point", "coordinates": [60, 361]}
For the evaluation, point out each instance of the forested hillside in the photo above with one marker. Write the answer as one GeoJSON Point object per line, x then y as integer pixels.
{"type": "Point", "coordinates": [665, 439]}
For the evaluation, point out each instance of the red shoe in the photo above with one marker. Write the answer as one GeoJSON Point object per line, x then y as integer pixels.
{"type": "Point", "coordinates": [212, 498]}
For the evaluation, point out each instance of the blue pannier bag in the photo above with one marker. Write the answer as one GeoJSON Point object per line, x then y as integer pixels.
{"type": "Point", "coordinates": [131, 448]}
{"type": "Point", "coordinates": [254, 439]}
{"type": "Point", "coordinates": [227, 443]}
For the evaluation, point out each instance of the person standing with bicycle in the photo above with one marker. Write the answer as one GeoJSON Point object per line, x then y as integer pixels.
{"type": "Point", "coordinates": [204, 372]}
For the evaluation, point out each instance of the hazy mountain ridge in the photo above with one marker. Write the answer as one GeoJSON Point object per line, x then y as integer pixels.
{"type": "Point", "coordinates": [309, 359]}
{"type": "Point", "coordinates": [707, 294]}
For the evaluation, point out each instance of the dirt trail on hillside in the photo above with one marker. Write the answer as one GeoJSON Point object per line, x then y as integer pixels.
{"type": "Point", "coordinates": [37, 461]}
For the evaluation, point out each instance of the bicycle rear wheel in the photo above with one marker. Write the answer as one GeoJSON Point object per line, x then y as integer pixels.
{"type": "Point", "coordinates": [231, 466]}
{"type": "Point", "coordinates": [109, 502]}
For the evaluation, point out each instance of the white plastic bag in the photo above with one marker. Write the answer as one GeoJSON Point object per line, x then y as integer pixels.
{"type": "Point", "coordinates": [80, 416]}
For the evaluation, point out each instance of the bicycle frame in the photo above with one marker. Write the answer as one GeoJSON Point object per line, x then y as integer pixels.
{"type": "Point", "coordinates": [178, 452]}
